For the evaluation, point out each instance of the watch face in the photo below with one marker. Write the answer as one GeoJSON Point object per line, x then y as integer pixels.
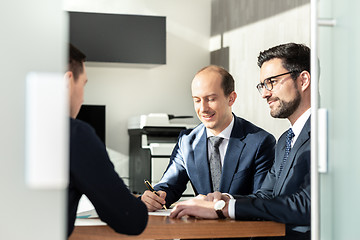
{"type": "Point", "coordinates": [219, 205]}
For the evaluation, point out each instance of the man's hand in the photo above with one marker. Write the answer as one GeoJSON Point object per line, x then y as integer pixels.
{"type": "Point", "coordinates": [216, 196]}
{"type": "Point", "coordinates": [197, 207]}
{"type": "Point", "coordinates": [152, 201]}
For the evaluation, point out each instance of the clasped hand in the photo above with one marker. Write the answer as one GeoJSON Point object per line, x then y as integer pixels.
{"type": "Point", "coordinates": [200, 206]}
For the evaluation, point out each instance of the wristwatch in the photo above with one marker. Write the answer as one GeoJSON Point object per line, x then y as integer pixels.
{"type": "Point", "coordinates": [218, 207]}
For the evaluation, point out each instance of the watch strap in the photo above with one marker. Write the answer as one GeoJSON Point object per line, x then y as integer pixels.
{"type": "Point", "coordinates": [220, 214]}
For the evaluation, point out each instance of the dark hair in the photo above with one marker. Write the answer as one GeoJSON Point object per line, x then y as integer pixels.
{"type": "Point", "coordinates": [76, 59]}
{"type": "Point", "coordinates": [227, 83]}
{"type": "Point", "coordinates": [295, 57]}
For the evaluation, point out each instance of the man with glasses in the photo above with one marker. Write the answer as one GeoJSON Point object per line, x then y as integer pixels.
{"type": "Point", "coordinates": [285, 193]}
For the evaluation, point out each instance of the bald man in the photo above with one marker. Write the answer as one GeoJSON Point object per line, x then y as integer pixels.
{"type": "Point", "coordinates": [237, 163]}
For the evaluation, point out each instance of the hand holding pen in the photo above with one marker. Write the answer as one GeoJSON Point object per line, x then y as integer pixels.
{"type": "Point", "coordinates": [153, 200]}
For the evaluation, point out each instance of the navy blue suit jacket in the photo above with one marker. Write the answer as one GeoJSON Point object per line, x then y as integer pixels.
{"type": "Point", "coordinates": [92, 173]}
{"type": "Point", "coordinates": [249, 156]}
{"type": "Point", "coordinates": [285, 199]}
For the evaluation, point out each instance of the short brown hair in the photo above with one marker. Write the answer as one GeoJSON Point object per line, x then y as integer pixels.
{"type": "Point", "coordinates": [76, 59]}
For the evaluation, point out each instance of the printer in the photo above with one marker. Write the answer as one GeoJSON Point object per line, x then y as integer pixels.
{"type": "Point", "coordinates": [152, 140]}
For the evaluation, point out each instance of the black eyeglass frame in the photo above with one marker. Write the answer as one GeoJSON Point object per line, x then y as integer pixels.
{"type": "Point", "coordinates": [268, 80]}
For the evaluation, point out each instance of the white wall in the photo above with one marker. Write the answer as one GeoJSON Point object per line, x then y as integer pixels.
{"type": "Point", "coordinates": [245, 43]}
{"type": "Point", "coordinates": [129, 92]}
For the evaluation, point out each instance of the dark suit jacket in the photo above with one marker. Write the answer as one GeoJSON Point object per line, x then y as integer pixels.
{"type": "Point", "coordinates": [93, 174]}
{"type": "Point", "coordinates": [249, 156]}
{"type": "Point", "coordinates": [285, 199]}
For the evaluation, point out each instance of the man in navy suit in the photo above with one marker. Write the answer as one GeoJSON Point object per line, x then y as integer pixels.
{"type": "Point", "coordinates": [285, 193]}
{"type": "Point", "coordinates": [91, 171]}
{"type": "Point", "coordinates": [246, 151]}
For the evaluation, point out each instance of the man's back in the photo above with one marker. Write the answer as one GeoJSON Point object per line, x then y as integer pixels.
{"type": "Point", "coordinates": [93, 174]}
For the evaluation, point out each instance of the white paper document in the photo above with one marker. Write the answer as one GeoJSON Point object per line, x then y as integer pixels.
{"type": "Point", "coordinates": [161, 212]}
{"type": "Point", "coordinates": [86, 209]}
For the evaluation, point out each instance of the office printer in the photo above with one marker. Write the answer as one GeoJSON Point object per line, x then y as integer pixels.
{"type": "Point", "coordinates": [152, 139]}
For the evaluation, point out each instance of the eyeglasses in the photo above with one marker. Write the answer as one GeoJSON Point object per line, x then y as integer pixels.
{"type": "Point", "coordinates": [269, 82]}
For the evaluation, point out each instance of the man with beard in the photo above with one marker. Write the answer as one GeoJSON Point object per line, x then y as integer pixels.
{"type": "Point", "coordinates": [238, 161]}
{"type": "Point", "coordinates": [285, 193]}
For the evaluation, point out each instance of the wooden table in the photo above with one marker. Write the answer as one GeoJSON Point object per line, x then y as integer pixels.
{"type": "Point", "coordinates": [163, 227]}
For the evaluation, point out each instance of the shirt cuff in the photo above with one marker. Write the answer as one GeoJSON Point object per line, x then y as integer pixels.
{"type": "Point", "coordinates": [231, 208]}
{"type": "Point", "coordinates": [229, 195]}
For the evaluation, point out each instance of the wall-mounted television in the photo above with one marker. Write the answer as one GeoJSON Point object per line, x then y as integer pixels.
{"type": "Point", "coordinates": [95, 116]}
{"type": "Point", "coordinates": [119, 38]}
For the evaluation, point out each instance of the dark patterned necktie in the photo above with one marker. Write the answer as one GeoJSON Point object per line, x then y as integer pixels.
{"type": "Point", "coordinates": [290, 134]}
{"type": "Point", "coordinates": [215, 161]}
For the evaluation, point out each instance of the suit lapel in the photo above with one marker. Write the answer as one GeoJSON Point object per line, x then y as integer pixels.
{"type": "Point", "coordinates": [202, 166]}
{"type": "Point", "coordinates": [303, 137]}
{"type": "Point", "coordinates": [231, 162]}
{"type": "Point", "coordinates": [232, 157]}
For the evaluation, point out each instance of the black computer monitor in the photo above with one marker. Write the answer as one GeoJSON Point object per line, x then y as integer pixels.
{"type": "Point", "coordinates": [95, 116]}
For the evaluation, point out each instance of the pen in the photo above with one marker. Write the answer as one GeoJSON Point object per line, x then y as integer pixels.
{"type": "Point", "coordinates": [148, 185]}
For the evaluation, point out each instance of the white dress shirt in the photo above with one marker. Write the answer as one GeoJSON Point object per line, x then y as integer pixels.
{"type": "Point", "coordinates": [299, 124]}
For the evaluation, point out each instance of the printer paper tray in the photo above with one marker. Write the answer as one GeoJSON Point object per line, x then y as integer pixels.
{"type": "Point", "coordinates": [161, 149]}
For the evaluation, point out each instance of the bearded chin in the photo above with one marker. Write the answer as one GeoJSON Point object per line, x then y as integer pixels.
{"type": "Point", "coordinates": [286, 109]}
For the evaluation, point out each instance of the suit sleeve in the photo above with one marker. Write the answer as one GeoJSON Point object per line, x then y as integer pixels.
{"type": "Point", "coordinates": [93, 174]}
{"type": "Point", "coordinates": [175, 178]}
{"type": "Point", "coordinates": [287, 200]}
{"type": "Point", "coordinates": [264, 160]}
{"type": "Point", "coordinates": [267, 187]}
{"type": "Point", "coordinates": [287, 208]}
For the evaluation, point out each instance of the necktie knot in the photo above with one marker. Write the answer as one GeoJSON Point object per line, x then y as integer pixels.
{"type": "Point", "coordinates": [290, 134]}
{"type": "Point", "coordinates": [215, 141]}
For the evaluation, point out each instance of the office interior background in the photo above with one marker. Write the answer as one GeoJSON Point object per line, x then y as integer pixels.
{"type": "Point", "coordinates": [226, 32]}
{"type": "Point", "coordinates": [195, 31]}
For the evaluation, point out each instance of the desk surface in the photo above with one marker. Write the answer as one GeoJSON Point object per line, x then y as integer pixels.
{"type": "Point", "coordinates": [163, 227]}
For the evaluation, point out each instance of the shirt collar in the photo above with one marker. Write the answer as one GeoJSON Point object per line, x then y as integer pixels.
{"type": "Point", "coordinates": [225, 133]}
{"type": "Point", "coordinates": [300, 122]}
